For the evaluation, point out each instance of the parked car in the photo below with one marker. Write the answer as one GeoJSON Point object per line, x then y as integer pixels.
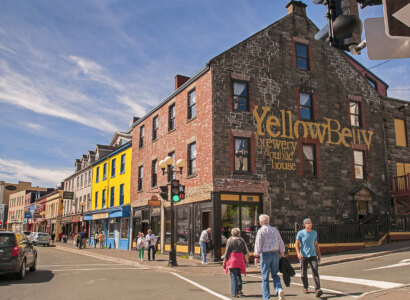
{"type": "Point", "coordinates": [27, 233]}
{"type": "Point", "coordinates": [16, 254]}
{"type": "Point", "coordinates": [40, 238]}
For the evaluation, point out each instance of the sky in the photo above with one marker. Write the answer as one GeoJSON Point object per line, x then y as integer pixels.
{"type": "Point", "coordinates": [74, 72]}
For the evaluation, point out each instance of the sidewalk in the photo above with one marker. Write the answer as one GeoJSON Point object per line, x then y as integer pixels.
{"type": "Point", "coordinates": [388, 294]}
{"type": "Point", "coordinates": [193, 266]}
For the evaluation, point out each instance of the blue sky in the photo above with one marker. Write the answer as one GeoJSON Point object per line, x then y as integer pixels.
{"type": "Point", "coordinates": [74, 72]}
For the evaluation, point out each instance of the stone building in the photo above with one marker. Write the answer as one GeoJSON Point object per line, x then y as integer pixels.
{"type": "Point", "coordinates": [281, 124]}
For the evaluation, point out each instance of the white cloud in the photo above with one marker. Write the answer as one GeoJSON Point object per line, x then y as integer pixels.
{"type": "Point", "coordinates": [34, 126]}
{"type": "Point", "coordinates": [15, 170]}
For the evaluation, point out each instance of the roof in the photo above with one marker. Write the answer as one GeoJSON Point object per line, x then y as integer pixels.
{"type": "Point", "coordinates": [122, 148]}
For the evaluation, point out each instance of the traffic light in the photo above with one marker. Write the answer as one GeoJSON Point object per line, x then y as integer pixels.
{"type": "Point", "coordinates": [344, 28]}
{"type": "Point", "coordinates": [164, 192]}
{"type": "Point", "coordinates": [175, 190]}
{"type": "Point", "coordinates": [182, 192]}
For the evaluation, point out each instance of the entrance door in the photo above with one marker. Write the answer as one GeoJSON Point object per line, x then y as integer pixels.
{"type": "Point", "coordinates": [206, 219]}
{"type": "Point", "coordinates": [117, 235]}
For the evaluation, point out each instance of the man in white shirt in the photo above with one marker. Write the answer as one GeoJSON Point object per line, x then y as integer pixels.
{"type": "Point", "coordinates": [203, 241]}
{"type": "Point", "coordinates": [151, 241]}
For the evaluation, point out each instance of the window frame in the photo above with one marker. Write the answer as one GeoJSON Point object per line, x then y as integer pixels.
{"type": "Point", "coordinates": [397, 136]}
{"type": "Point", "coordinates": [112, 196]}
{"type": "Point", "coordinates": [104, 171]}
{"type": "Point", "coordinates": [104, 198]}
{"type": "Point", "coordinates": [248, 140]}
{"type": "Point", "coordinates": [142, 135]}
{"type": "Point", "coordinates": [363, 165]}
{"type": "Point", "coordinates": [96, 200]}
{"type": "Point", "coordinates": [307, 58]}
{"type": "Point", "coordinates": [154, 173]}
{"type": "Point", "coordinates": [359, 115]}
{"type": "Point", "coordinates": [122, 167]}
{"type": "Point", "coordinates": [311, 107]}
{"type": "Point", "coordinates": [314, 160]}
{"type": "Point", "coordinates": [171, 117]}
{"type": "Point", "coordinates": [140, 177]}
{"type": "Point", "coordinates": [121, 195]}
{"type": "Point", "coordinates": [113, 167]}
{"type": "Point", "coordinates": [155, 126]}
{"type": "Point", "coordinates": [191, 160]}
{"type": "Point", "coordinates": [238, 96]}
{"type": "Point", "coordinates": [191, 106]}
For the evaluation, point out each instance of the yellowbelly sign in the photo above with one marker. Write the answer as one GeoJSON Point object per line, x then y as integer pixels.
{"type": "Point", "coordinates": [279, 145]}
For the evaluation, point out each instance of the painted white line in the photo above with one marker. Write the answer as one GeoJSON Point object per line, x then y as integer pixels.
{"type": "Point", "coordinates": [366, 282]}
{"type": "Point", "coordinates": [42, 266]}
{"type": "Point", "coordinates": [355, 261]}
{"type": "Point", "coordinates": [404, 262]}
{"type": "Point", "coordinates": [95, 269]}
{"type": "Point", "coordinates": [202, 287]}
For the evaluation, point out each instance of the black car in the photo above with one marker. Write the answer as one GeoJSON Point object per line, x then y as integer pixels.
{"type": "Point", "coordinates": [16, 254]}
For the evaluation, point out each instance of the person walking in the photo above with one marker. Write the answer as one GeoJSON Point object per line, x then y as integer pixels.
{"type": "Point", "coordinates": [308, 251]}
{"type": "Point", "coordinates": [83, 241]}
{"type": "Point", "coordinates": [101, 239]}
{"type": "Point", "coordinates": [77, 240]}
{"type": "Point", "coordinates": [203, 241]}
{"type": "Point", "coordinates": [141, 246]}
{"type": "Point", "coordinates": [151, 242]}
{"type": "Point", "coordinates": [268, 247]}
{"type": "Point", "coordinates": [236, 259]}
{"type": "Point", "coordinates": [60, 236]}
{"type": "Point", "coordinates": [95, 239]}
{"type": "Point", "coordinates": [53, 236]}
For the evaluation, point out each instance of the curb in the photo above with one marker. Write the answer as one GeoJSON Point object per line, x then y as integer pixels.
{"type": "Point", "coordinates": [364, 295]}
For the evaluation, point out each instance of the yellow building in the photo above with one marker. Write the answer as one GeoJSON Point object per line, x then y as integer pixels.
{"type": "Point", "coordinates": [110, 199]}
{"type": "Point", "coordinates": [54, 211]}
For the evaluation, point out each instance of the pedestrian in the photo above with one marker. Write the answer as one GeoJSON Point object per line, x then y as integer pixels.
{"type": "Point", "coordinates": [60, 236]}
{"type": "Point", "coordinates": [236, 259]}
{"type": "Point", "coordinates": [83, 241]}
{"type": "Point", "coordinates": [307, 249]}
{"type": "Point", "coordinates": [95, 239]}
{"type": "Point", "coordinates": [203, 242]}
{"type": "Point", "coordinates": [77, 240]}
{"type": "Point", "coordinates": [151, 242]}
{"type": "Point", "coordinates": [101, 239]}
{"type": "Point", "coordinates": [268, 247]}
{"type": "Point", "coordinates": [141, 246]}
{"type": "Point", "coordinates": [53, 236]}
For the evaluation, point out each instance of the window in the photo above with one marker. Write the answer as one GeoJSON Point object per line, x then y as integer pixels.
{"type": "Point", "coordinates": [355, 116]}
{"type": "Point", "coordinates": [88, 201]}
{"type": "Point", "coordinates": [89, 177]}
{"type": "Point", "coordinates": [171, 175]}
{"type": "Point", "coordinates": [112, 194]}
{"type": "Point", "coordinates": [104, 194]}
{"type": "Point", "coordinates": [309, 160]}
{"type": "Point", "coordinates": [141, 142]}
{"type": "Point", "coordinates": [171, 117]}
{"type": "Point", "coordinates": [372, 82]}
{"type": "Point", "coordinates": [240, 96]}
{"type": "Point", "coordinates": [124, 228]}
{"type": "Point", "coordinates": [96, 200]}
{"type": "Point", "coordinates": [122, 170]}
{"type": "Point", "coordinates": [192, 159]}
{"type": "Point", "coordinates": [140, 176]}
{"type": "Point", "coordinates": [401, 134]}
{"type": "Point", "coordinates": [105, 171]}
{"type": "Point", "coordinates": [154, 173]}
{"type": "Point", "coordinates": [306, 105]}
{"type": "Point", "coordinates": [191, 104]}
{"type": "Point", "coordinates": [113, 162]}
{"type": "Point", "coordinates": [359, 166]}
{"type": "Point", "coordinates": [111, 227]}
{"type": "Point", "coordinates": [242, 154]}
{"type": "Point", "coordinates": [78, 182]}
{"type": "Point", "coordinates": [85, 179]}
{"type": "Point", "coordinates": [155, 128]}
{"type": "Point", "coordinates": [81, 181]}
{"type": "Point", "coordinates": [121, 194]}
{"type": "Point", "coordinates": [302, 56]}
{"type": "Point", "coordinates": [182, 225]}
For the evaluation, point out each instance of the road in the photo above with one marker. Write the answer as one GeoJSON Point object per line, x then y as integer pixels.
{"type": "Point", "coordinates": [66, 274]}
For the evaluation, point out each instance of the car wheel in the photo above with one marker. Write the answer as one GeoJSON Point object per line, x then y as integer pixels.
{"type": "Point", "coordinates": [22, 272]}
{"type": "Point", "coordinates": [34, 243]}
{"type": "Point", "coordinates": [33, 268]}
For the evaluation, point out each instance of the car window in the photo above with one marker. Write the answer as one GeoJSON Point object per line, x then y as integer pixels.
{"type": "Point", "coordinates": [42, 234]}
{"type": "Point", "coordinates": [6, 240]}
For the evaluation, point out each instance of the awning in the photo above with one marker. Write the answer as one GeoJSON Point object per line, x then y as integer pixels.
{"type": "Point", "coordinates": [113, 212]}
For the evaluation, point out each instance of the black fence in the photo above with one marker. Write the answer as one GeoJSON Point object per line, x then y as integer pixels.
{"type": "Point", "coordinates": [372, 230]}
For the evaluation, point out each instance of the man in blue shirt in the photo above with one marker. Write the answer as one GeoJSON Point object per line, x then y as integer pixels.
{"type": "Point", "coordinates": [307, 249]}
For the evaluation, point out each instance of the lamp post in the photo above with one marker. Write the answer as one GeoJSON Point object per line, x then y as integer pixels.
{"type": "Point", "coordinates": [167, 164]}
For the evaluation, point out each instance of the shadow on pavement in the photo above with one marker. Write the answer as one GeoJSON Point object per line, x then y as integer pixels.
{"type": "Point", "coordinates": [40, 276]}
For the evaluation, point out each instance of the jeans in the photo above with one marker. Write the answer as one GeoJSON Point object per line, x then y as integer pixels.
{"type": "Point", "coordinates": [151, 249]}
{"type": "Point", "coordinates": [236, 280]}
{"type": "Point", "coordinates": [141, 253]}
{"type": "Point", "coordinates": [203, 251]}
{"type": "Point", "coordinates": [314, 266]}
{"type": "Point", "coordinates": [270, 264]}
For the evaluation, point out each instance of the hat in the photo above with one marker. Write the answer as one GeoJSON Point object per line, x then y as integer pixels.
{"type": "Point", "coordinates": [307, 220]}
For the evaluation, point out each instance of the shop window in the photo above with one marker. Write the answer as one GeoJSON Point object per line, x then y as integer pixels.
{"type": "Point", "coordinates": [182, 225]}
{"type": "Point", "coordinates": [140, 176]}
{"type": "Point", "coordinates": [355, 114]}
{"type": "Point", "coordinates": [302, 56]}
{"type": "Point", "coordinates": [154, 173]}
{"type": "Point", "coordinates": [111, 228]}
{"type": "Point", "coordinates": [309, 160]}
{"type": "Point", "coordinates": [171, 175]}
{"type": "Point", "coordinates": [141, 140]}
{"type": "Point", "coordinates": [230, 219]}
{"type": "Point", "coordinates": [121, 194]}
{"type": "Point", "coordinates": [192, 159]}
{"type": "Point", "coordinates": [191, 104]}
{"type": "Point", "coordinates": [155, 128]}
{"type": "Point", "coordinates": [113, 163]}
{"type": "Point", "coordinates": [401, 134]}
{"type": "Point", "coordinates": [105, 171]}
{"type": "Point", "coordinates": [240, 95]}
{"type": "Point", "coordinates": [122, 170]}
{"type": "Point", "coordinates": [359, 164]}
{"type": "Point", "coordinates": [306, 106]}
{"type": "Point", "coordinates": [124, 228]}
{"type": "Point", "coordinates": [104, 194]}
{"type": "Point", "coordinates": [112, 196]}
{"type": "Point", "coordinates": [242, 154]}
{"type": "Point", "coordinates": [171, 117]}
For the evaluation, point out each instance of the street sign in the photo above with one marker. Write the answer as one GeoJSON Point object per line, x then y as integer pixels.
{"type": "Point", "coordinates": [397, 18]}
{"type": "Point", "coordinates": [154, 198]}
{"type": "Point", "coordinates": [68, 195]}
{"type": "Point", "coordinates": [27, 215]}
{"type": "Point", "coordinates": [379, 45]}
{"type": "Point", "coordinates": [154, 202]}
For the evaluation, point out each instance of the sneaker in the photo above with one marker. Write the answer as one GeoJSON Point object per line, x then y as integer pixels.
{"type": "Point", "coordinates": [319, 293]}
{"type": "Point", "coordinates": [305, 291]}
{"type": "Point", "coordinates": [241, 293]}
{"type": "Point", "coordinates": [237, 296]}
{"type": "Point", "coordinates": [281, 295]}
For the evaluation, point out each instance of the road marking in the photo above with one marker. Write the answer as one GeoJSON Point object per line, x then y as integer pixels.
{"type": "Point", "coordinates": [93, 269]}
{"type": "Point", "coordinates": [202, 287]}
{"type": "Point", "coordinates": [404, 262]}
{"type": "Point", "coordinates": [40, 266]}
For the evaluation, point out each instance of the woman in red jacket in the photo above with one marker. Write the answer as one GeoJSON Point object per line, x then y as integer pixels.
{"type": "Point", "coordinates": [236, 259]}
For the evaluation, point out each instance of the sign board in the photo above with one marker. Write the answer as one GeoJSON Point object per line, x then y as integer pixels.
{"type": "Point", "coordinates": [154, 203]}
{"type": "Point", "coordinates": [154, 198]}
{"type": "Point", "coordinates": [397, 18]}
{"type": "Point", "coordinates": [379, 45]}
{"type": "Point", "coordinates": [27, 215]}
{"type": "Point", "coordinates": [68, 195]}
{"type": "Point", "coordinates": [11, 188]}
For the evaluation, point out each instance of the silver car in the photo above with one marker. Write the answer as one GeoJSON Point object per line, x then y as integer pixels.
{"type": "Point", "coordinates": [40, 238]}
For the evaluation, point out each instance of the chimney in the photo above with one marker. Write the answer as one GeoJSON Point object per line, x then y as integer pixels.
{"type": "Point", "coordinates": [297, 8]}
{"type": "Point", "coordinates": [180, 80]}
{"type": "Point", "coordinates": [133, 120]}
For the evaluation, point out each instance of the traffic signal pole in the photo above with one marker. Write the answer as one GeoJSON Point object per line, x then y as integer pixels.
{"type": "Point", "coordinates": [172, 260]}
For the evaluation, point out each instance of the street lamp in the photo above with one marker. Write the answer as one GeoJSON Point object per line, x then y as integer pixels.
{"type": "Point", "coordinates": [167, 164]}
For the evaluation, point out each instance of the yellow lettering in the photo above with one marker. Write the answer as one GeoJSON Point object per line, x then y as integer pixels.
{"type": "Point", "coordinates": [346, 132]}
{"type": "Point", "coordinates": [296, 128]}
{"type": "Point", "coordinates": [367, 141]}
{"type": "Point", "coordinates": [319, 131]}
{"type": "Point", "coordinates": [259, 119]}
{"type": "Point", "coordinates": [329, 140]}
{"type": "Point", "coordinates": [272, 121]}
